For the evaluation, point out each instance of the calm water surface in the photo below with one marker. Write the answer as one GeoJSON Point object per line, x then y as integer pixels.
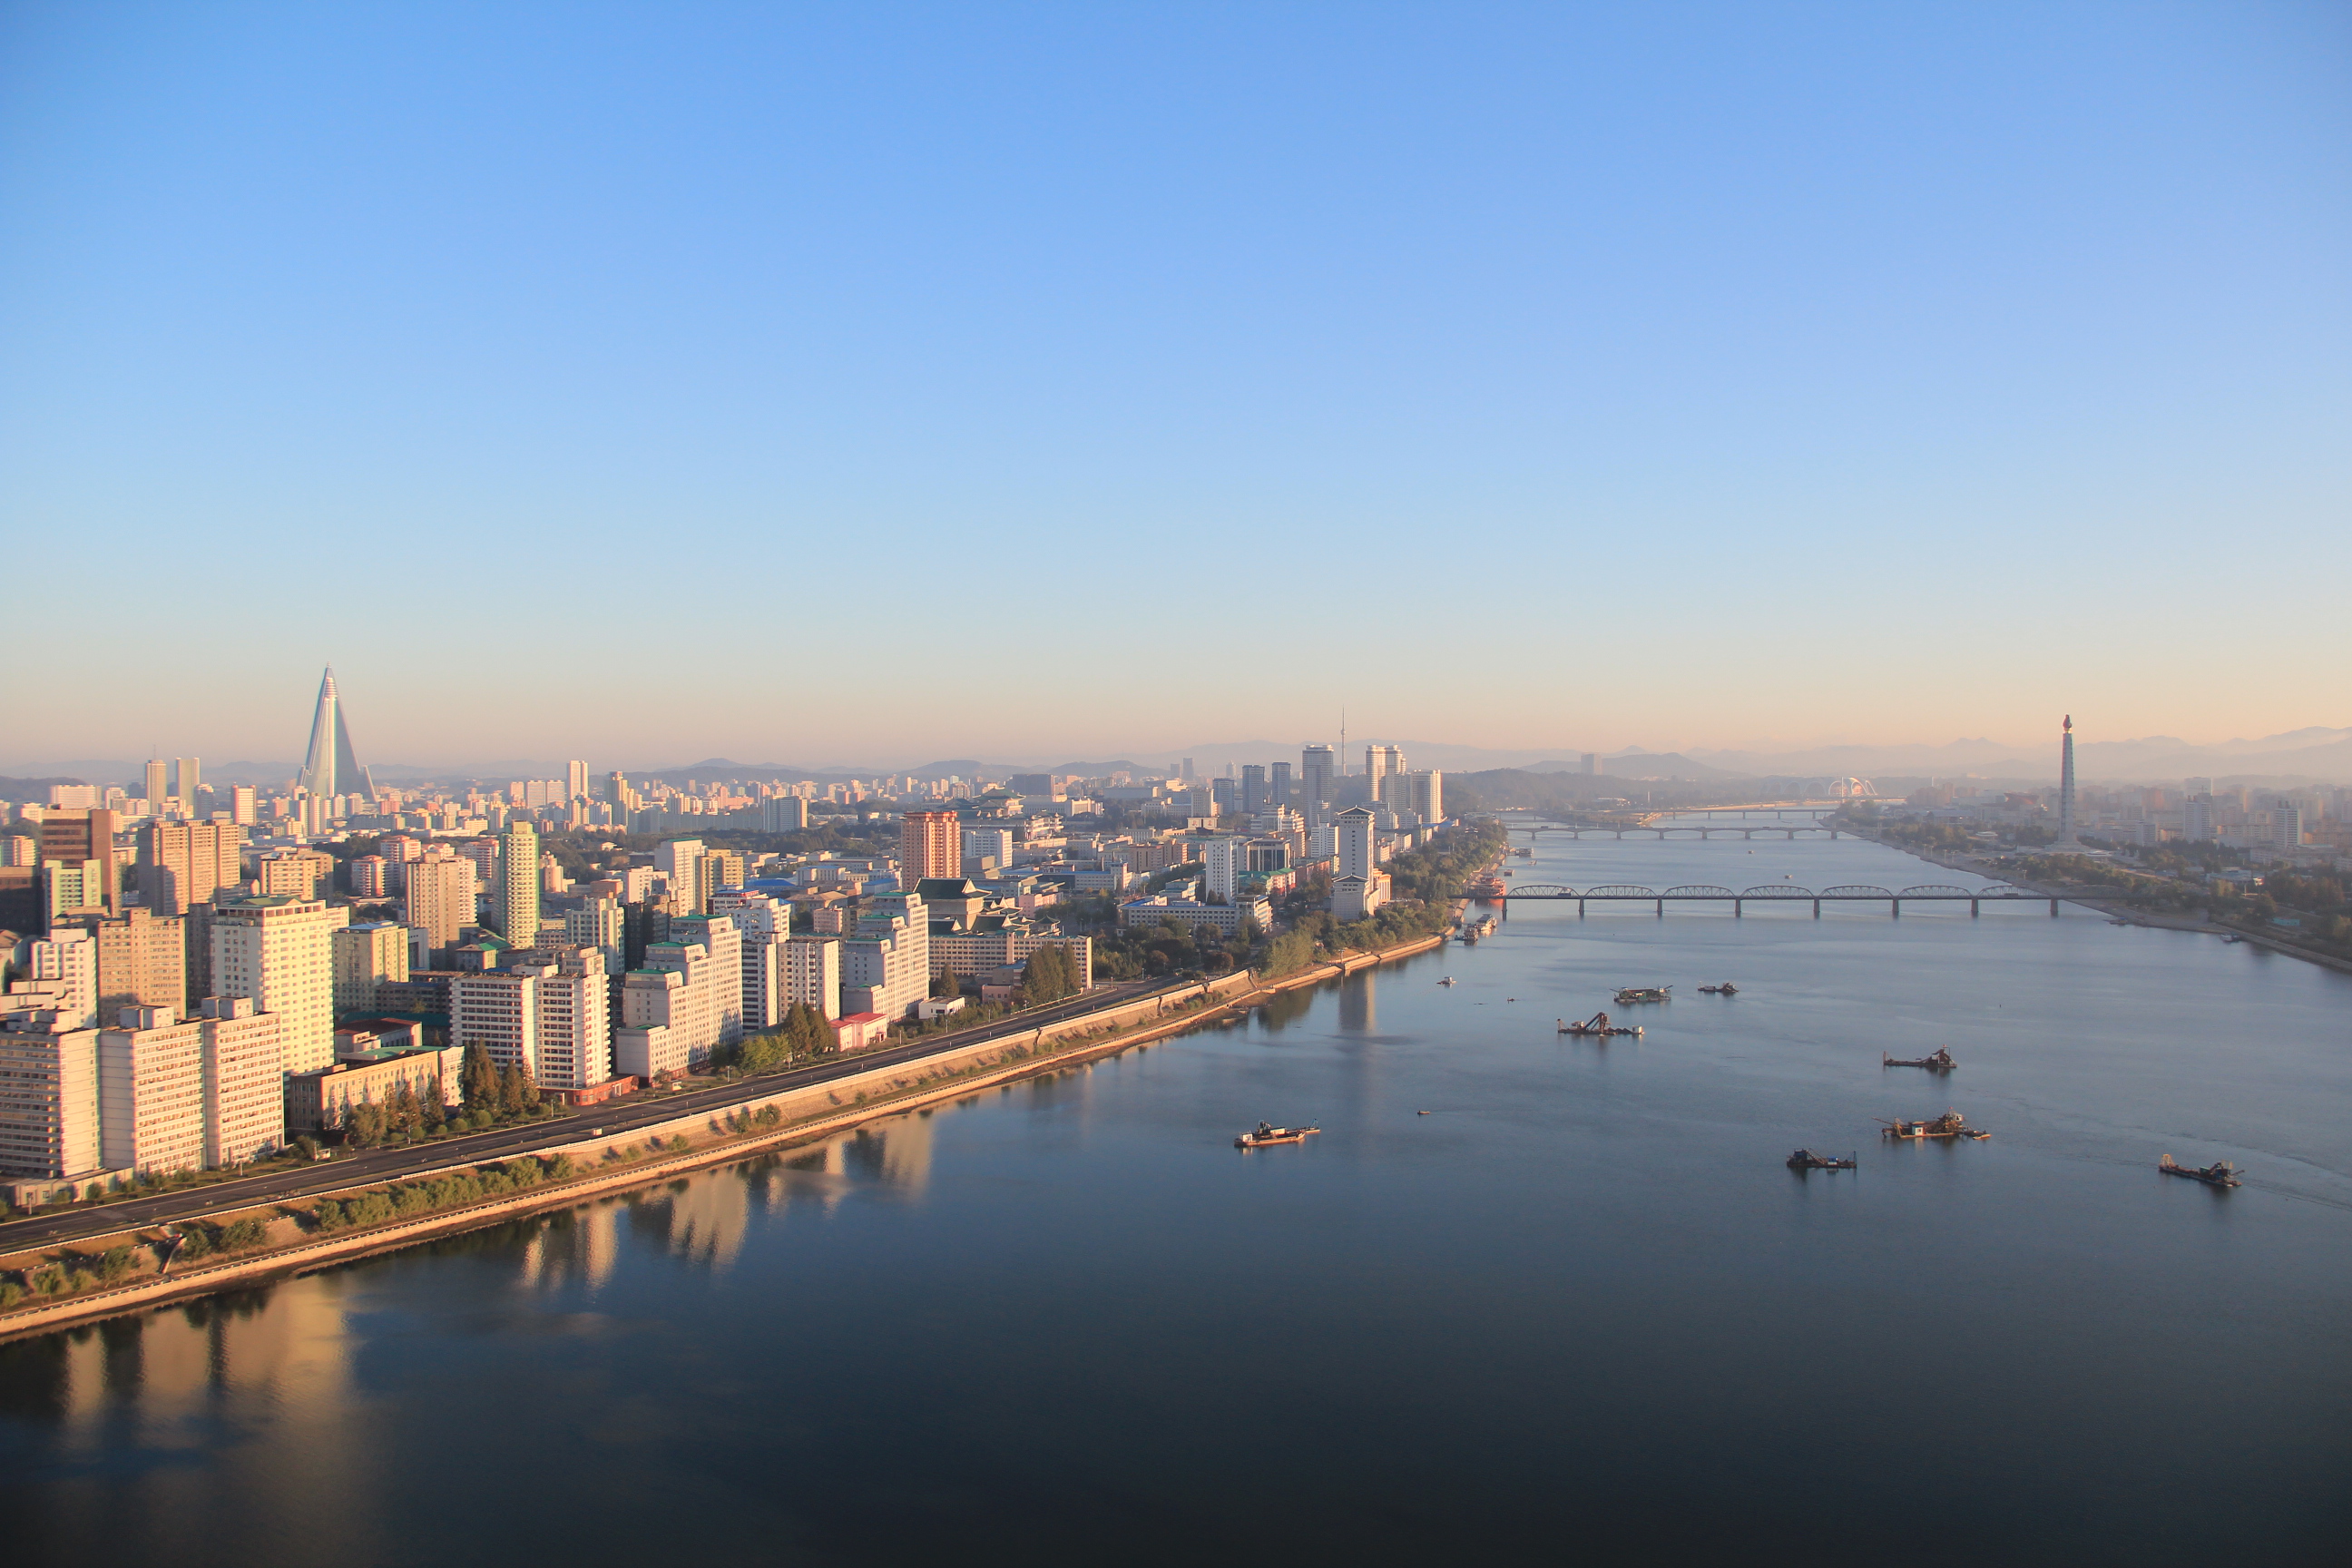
{"type": "Point", "coordinates": [1580, 1310]}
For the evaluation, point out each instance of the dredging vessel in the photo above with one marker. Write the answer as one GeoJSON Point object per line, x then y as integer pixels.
{"type": "Point", "coordinates": [1598, 1024]}
{"type": "Point", "coordinates": [1806, 1160]}
{"type": "Point", "coordinates": [1951, 1124]}
{"type": "Point", "coordinates": [2220, 1174]}
{"type": "Point", "coordinates": [1940, 1062]}
{"type": "Point", "coordinates": [1627, 995]}
{"type": "Point", "coordinates": [1726, 989]}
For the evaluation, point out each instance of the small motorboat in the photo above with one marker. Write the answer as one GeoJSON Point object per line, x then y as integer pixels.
{"type": "Point", "coordinates": [1940, 1062]}
{"type": "Point", "coordinates": [1449, 980]}
{"type": "Point", "coordinates": [1806, 1160]}
{"type": "Point", "coordinates": [2220, 1174]}
{"type": "Point", "coordinates": [1266, 1132]}
{"type": "Point", "coordinates": [1726, 989]}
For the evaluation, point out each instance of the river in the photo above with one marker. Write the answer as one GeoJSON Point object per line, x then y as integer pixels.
{"type": "Point", "coordinates": [1580, 1309]}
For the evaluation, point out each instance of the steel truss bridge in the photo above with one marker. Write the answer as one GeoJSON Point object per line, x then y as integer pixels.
{"type": "Point", "coordinates": [1783, 894]}
{"type": "Point", "coordinates": [1789, 819]}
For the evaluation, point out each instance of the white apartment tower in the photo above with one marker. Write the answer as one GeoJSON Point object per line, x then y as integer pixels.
{"type": "Point", "coordinates": [552, 1020]}
{"type": "Point", "coordinates": [514, 897]}
{"type": "Point", "coordinates": [813, 972]}
{"type": "Point", "coordinates": [280, 952]}
{"type": "Point", "coordinates": [245, 1082]}
{"type": "Point", "coordinates": [886, 965]}
{"type": "Point", "coordinates": [150, 1092]}
{"type": "Point", "coordinates": [48, 1113]}
{"type": "Point", "coordinates": [440, 899]}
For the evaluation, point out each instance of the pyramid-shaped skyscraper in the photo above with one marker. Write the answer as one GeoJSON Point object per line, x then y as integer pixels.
{"type": "Point", "coordinates": [332, 766]}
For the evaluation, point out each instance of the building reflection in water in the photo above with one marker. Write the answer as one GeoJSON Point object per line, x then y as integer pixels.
{"type": "Point", "coordinates": [253, 1388]}
{"type": "Point", "coordinates": [578, 1247]}
{"type": "Point", "coordinates": [1358, 1013]}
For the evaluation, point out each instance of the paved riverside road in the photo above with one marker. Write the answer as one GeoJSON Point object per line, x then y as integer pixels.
{"type": "Point", "coordinates": [615, 1117]}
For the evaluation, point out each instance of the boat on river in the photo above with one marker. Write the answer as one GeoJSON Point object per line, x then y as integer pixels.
{"type": "Point", "coordinates": [1951, 1124]}
{"type": "Point", "coordinates": [1940, 1062]}
{"type": "Point", "coordinates": [1726, 989]}
{"type": "Point", "coordinates": [2220, 1174]}
{"type": "Point", "coordinates": [1598, 1024]}
{"type": "Point", "coordinates": [1488, 887]}
{"type": "Point", "coordinates": [1806, 1160]}
{"type": "Point", "coordinates": [1627, 995]}
{"type": "Point", "coordinates": [1266, 1132]}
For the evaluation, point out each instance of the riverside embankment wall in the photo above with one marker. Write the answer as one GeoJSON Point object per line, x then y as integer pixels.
{"type": "Point", "coordinates": [807, 1114]}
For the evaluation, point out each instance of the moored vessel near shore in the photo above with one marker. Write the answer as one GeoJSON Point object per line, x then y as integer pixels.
{"type": "Point", "coordinates": [2220, 1174]}
{"type": "Point", "coordinates": [1951, 1124]}
{"type": "Point", "coordinates": [1806, 1160]}
{"type": "Point", "coordinates": [1629, 994]}
{"type": "Point", "coordinates": [1940, 1062]}
{"type": "Point", "coordinates": [1488, 887]}
{"type": "Point", "coordinates": [1266, 1132]}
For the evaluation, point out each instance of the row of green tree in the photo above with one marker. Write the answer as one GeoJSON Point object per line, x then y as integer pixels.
{"type": "Point", "coordinates": [403, 1200]}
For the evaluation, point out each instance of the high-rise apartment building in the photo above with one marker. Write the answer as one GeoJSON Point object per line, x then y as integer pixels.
{"type": "Point", "coordinates": [151, 1091]}
{"type": "Point", "coordinates": [551, 1019]}
{"type": "Point", "coordinates": [813, 972]}
{"type": "Point", "coordinates": [514, 895]}
{"type": "Point", "coordinates": [71, 889]}
{"type": "Point", "coordinates": [1278, 785]}
{"type": "Point", "coordinates": [245, 1082]}
{"type": "Point", "coordinates": [367, 956]}
{"type": "Point", "coordinates": [62, 979]}
{"type": "Point", "coordinates": [1358, 884]}
{"type": "Point", "coordinates": [187, 778]}
{"type": "Point", "coordinates": [280, 952]}
{"type": "Point", "coordinates": [783, 814]}
{"type": "Point", "coordinates": [886, 964]}
{"type": "Point", "coordinates": [181, 864]}
{"type": "Point", "coordinates": [75, 836]}
{"type": "Point", "coordinates": [930, 845]}
{"type": "Point", "coordinates": [1316, 770]}
{"type": "Point", "coordinates": [1380, 761]}
{"type": "Point", "coordinates": [600, 924]}
{"type": "Point", "coordinates": [50, 1127]}
{"type": "Point", "coordinates": [1252, 788]}
{"type": "Point", "coordinates": [575, 780]}
{"type": "Point", "coordinates": [159, 787]}
{"type": "Point", "coordinates": [680, 863]}
{"type": "Point", "coordinates": [295, 874]}
{"type": "Point", "coordinates": [142, 961]}
{"type": "Point", "coordinates": [674, 1011]}
{"type": "Point", "coordinates": [1223, 860]}
{"type": "Point", "coordinates": [243, 806]}
{"type": "Point", "coordinates": [440, 899]}
{"type": "Point", "coordinates": [722, 943]}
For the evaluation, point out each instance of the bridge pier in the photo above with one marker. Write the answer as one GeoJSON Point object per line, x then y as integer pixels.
{"type": "Point", "coordinates": [1579, 909]}
{"type": "Point", "coordinates": [2054, 908]}
{"type": "Point", "coordinates": [1817, 908]}
{"type": "Point", "coordinates": [1973, 910]}
{"type": "Point", "coordinates": [1662, 909]}
{"type": "Point", "coordinates": [1898, 909]}
{"type": "Point", "coordinates": [1736, 910]}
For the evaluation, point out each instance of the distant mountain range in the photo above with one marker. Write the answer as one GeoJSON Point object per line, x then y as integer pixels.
{"type": "Point", "coordinates": [2314, 754]}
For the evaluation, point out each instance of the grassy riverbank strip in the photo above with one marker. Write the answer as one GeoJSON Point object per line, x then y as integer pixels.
{"type": "Point", "coordinates": [140, 1268]}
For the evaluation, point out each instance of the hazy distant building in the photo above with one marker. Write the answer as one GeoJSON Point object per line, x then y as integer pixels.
{"type": "Point", "coordinates": [680, 863]}
{"type": "Point", "coordinates": [1317, 769]}
{"type": "Point", "coordinates": [2067, 839]}
{"type": "Point", "coordinates": [783, 814]}
{"type": "Point", "coordinates": [514, 895]}
{"type": "Point", "coordinates": [330, 767]}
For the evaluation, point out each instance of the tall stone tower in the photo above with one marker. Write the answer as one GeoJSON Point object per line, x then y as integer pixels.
{"type": "Point", "coordinates": [2067, 839]}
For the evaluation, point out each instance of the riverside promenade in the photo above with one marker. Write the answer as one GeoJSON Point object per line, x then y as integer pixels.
{"type": "Point", "coordinates": [618, 1151]}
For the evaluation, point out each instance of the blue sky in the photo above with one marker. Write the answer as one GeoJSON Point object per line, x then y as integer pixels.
{"type": "Point", "coordinates": [651, 383]}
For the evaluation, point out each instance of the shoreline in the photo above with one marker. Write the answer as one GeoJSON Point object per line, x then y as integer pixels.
{"type": "Point", "coordinates": [2123, 913]}
{"type": "Point", "coordinates": [913, 1089]}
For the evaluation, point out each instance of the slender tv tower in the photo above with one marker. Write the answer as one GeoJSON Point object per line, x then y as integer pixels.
{"type": "Point", "coordinates": [332, 767]}
{"type": "Point", "coordinates": [2066, 789]}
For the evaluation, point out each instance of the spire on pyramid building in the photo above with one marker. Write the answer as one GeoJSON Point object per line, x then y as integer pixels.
{"type": "Point", "coordinates": [330, 767]}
